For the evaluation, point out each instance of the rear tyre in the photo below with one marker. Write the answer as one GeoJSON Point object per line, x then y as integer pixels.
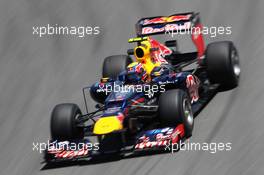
{"type": "Point", "coordinates": [63, 122]}
{"type": "Point", "coordinates": [175, 108]}
{"type": "Point", "coordinates": [222, 62]}
{"type": "Point", "coordinates": [115, 64]}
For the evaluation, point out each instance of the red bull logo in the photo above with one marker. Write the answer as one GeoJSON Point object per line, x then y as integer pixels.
{"type": "Point", "coordinates": [166, 28]}
{"type": "Point", "coordinates": [166, 19]}
{"type": "Point", "coordinates": [158, 56]}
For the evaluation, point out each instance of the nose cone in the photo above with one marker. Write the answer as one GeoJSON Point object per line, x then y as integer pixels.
{"type": "Point", "coordinates": [106, 125]}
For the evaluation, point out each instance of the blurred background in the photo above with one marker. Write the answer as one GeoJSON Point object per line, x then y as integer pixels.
{"type": "Point", "coordinates": [38, 73]}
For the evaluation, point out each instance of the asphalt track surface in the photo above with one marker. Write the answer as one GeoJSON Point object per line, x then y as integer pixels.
{"type": "Point", "coordinates": [37, 73]}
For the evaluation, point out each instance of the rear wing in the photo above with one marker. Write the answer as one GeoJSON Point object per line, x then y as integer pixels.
{"type": "Point", "coordinates": [189, 21]}
{"type": "Point", "coordinates": [162, 24]}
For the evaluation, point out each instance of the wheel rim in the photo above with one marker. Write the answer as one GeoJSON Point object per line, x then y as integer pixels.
{"type": "Point", "coordinates": [235, 60]}
{"type": "Point", "coordinates": [188, 112]}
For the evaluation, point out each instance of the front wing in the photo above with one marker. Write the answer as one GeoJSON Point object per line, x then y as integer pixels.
{"type": "Point", "coordinates": [155, 139]}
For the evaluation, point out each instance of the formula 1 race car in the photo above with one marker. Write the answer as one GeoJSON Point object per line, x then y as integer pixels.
{"type": "Point", "coordinates": [147, 103]}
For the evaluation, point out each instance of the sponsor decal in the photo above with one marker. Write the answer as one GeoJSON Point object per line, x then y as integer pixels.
{"type": "Point", "coordinates": [162, 137]}
{"type": "Point", "coordinates": [70, 150]}
{"type": "Point", "coordinates": [198, 40]}
{"type": "Point", "coordinates": [167, 82]}
{"type": "Point", "coordinates": [71, 153]}
{"type": "Point", "coordinates": [192, 85]}
{"type": "Point", "coordinates": [165, 28]}
{"type": "Point", "coordinates": [151, 144]}
{"type": "Point", "coordinates": [166, 19]}
{"type": "Point", "coordinates": [150, 30]}
{"type": "Point", "coordinates": [158, 56]}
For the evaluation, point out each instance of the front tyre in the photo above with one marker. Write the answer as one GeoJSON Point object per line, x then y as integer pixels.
{"type": "Point", "coordinates": [175, 108]}
{"type": "Point", "coordinates": [63, 122]}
